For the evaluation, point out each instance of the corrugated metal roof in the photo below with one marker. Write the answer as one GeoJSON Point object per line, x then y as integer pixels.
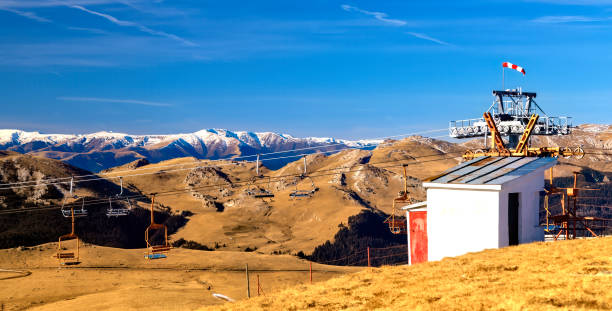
{"type": "Point", "coordinates": [492, 170]}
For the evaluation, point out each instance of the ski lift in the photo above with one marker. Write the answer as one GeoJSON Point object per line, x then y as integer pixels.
{"type": "Point", "coordinates": [303, 193]}
{"type": "Point", "coordinates": [122, 210]}
{"type": "Point", "coordinates": [397, 224]}
{"type": "Point", "coordinates": [73, 212]}
{"type": "Point", "coordinates": [256, 191]}
{"type": "Point", "coordinates": [67, 257]}
{"type": "Point", "coordinates": [156, 251]}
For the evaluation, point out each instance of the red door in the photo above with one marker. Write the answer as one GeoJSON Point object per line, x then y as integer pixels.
{"type": "Point", "coordinates": [418, 236]}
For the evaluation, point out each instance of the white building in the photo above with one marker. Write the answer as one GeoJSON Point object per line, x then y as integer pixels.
{"type": "Point", "coordinates": [488, 202]}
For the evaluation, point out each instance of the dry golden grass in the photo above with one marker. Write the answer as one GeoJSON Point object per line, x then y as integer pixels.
{"type": "Point", "coordinates": [568, 275]}
{"type": "Point", "coordinates": [121, 279]}
{"type": "Point", "coordinates": [282, 224]}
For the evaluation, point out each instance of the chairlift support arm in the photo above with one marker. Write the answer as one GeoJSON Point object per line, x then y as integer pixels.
{"type": "Point", "coordinates": [521, 147]}
{"type": "Point", "coordinates": [496, 142]}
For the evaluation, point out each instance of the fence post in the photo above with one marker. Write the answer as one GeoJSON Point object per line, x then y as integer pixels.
{"type": "Point", "coordinates": [258, 285]}
{"type": "Point", "coordinates": [311, 273]}
{"type": "Point", "coordinates": [248, 282]}
{"type": "Point", "coordinates": [369, 266]}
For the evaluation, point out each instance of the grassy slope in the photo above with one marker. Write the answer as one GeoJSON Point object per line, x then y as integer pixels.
{"type": "Point", "coordinates": [566, 275]}
{"type": "Point", "coordinates": [121, 279]}
{"type": "Point", "coordinates": [288, 225]}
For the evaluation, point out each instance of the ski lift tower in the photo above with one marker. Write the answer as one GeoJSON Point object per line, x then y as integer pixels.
{"type": "Point", "coordinates": [511, 110]}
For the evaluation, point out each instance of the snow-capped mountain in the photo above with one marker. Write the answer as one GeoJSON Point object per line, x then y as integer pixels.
{"type": "Point", "coordinates": [102, 150]}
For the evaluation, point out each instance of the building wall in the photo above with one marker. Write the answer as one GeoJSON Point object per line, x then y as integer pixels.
{"type": "Point", "coordinates": [461, 221]}
{"type": "Point", "coordinates": [470, 220]}
{"type": "Point", "coordinates": [529, 187]}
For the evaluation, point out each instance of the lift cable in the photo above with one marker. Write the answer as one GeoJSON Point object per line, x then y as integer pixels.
{"type": "Point", "coordinates": [180, 191]}
{"type": "Point", "coordinates": [242, 157]}
{"type": "Point", "coordinates": [94, 177]}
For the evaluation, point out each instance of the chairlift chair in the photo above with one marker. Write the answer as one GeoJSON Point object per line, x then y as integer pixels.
{"type": "Point", "coordinates": [116, 212]}
{"type": "Point", "coordinates": [122, 210]}
{"type": "Point", "coordinates": [67, 257]}
{"type": "Point", "coordinates": [256, 191]}
{"type": "Point", "coordinates": [303, 193]}
{"type": "Point", "coordinates": [156, 251]}
{"type": "Point", "coordinates": [397, 224]}
{"type": "Point", "coordinates": [81, 212]}
{"type": "Point", "coordinates": [73, 212]}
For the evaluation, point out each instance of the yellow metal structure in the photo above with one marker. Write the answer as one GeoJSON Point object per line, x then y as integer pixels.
{"type": "Point", "coordinates": [524, 141]}
{"type": "Point", "coordinates": [496, 141]}
{"type": "Point", "coordinates": [498, 148]}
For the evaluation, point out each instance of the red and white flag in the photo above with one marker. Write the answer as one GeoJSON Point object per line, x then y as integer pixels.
{"type": "Point", "coordinates": [513, 66]}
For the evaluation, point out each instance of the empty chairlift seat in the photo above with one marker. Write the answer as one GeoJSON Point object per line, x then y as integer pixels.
{"type": "Point", "coordinates": [122, 206]}
{"type": "Point", "coordinates": [68, 255]}
{"type": "Point", "coordinates": [156, 250]}
{"type": "Point", "coordinates": [256, 190]}
{"type": "Point", "coordinates": [303, 193]}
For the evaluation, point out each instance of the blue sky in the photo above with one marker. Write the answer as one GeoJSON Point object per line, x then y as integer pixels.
{"type": "Point", "coordinates": [347, 69]}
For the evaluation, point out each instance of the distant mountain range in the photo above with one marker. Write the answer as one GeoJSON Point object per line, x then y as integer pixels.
{"type": "Point", "coordinates": [102, 150]}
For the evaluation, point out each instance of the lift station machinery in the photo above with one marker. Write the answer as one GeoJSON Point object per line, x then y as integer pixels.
{"type": "Point", "coordinates": [516, 115]}
{"type": "Point", "coordinates": [511, 111]}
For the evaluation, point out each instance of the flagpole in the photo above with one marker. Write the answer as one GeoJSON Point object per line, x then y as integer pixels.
{"type": "Point", "coordinates": [503, 89]}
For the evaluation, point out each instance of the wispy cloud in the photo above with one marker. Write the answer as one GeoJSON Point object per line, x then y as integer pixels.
{"type": "Point", "coordinates": [91, 30]}
{"type": "Point", "coordinates": [383, 17]}
{"type": "Point", "coordinates": [50, 3]}
{"type": "Point", "coordinates": [396, 22]}
{"type": "Point", "coordinates": [428, 38]}
{"type": "Point", "coordinates": [140, 27]}
{"type": "Point", "coordinates": [574, 2]}
{"type": "Point", "coordinates": [113, 101]}
{"type": "Point", "coordinates": [566, 19]}
{"type": "Point", "coordinates": [30, 15]}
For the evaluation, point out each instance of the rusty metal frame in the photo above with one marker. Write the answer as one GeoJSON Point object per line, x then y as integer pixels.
{"type": "Point", "coordinates": [153, 251]}
{"type": "Point", "coordinates": [569, 218]}
{"type": "Point", "coordinates": [68, 258]}
{"type": "Point", "coordinates": [397, 224]}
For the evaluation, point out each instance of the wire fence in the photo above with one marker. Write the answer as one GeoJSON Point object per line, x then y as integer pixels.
{"type": "Point", "coordinates": [372, 257]}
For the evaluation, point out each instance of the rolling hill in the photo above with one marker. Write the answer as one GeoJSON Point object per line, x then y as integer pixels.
{"type": "Point", "coordinates": [347, 182]}
{"type": "Point", "coordinates": [46, 223]}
